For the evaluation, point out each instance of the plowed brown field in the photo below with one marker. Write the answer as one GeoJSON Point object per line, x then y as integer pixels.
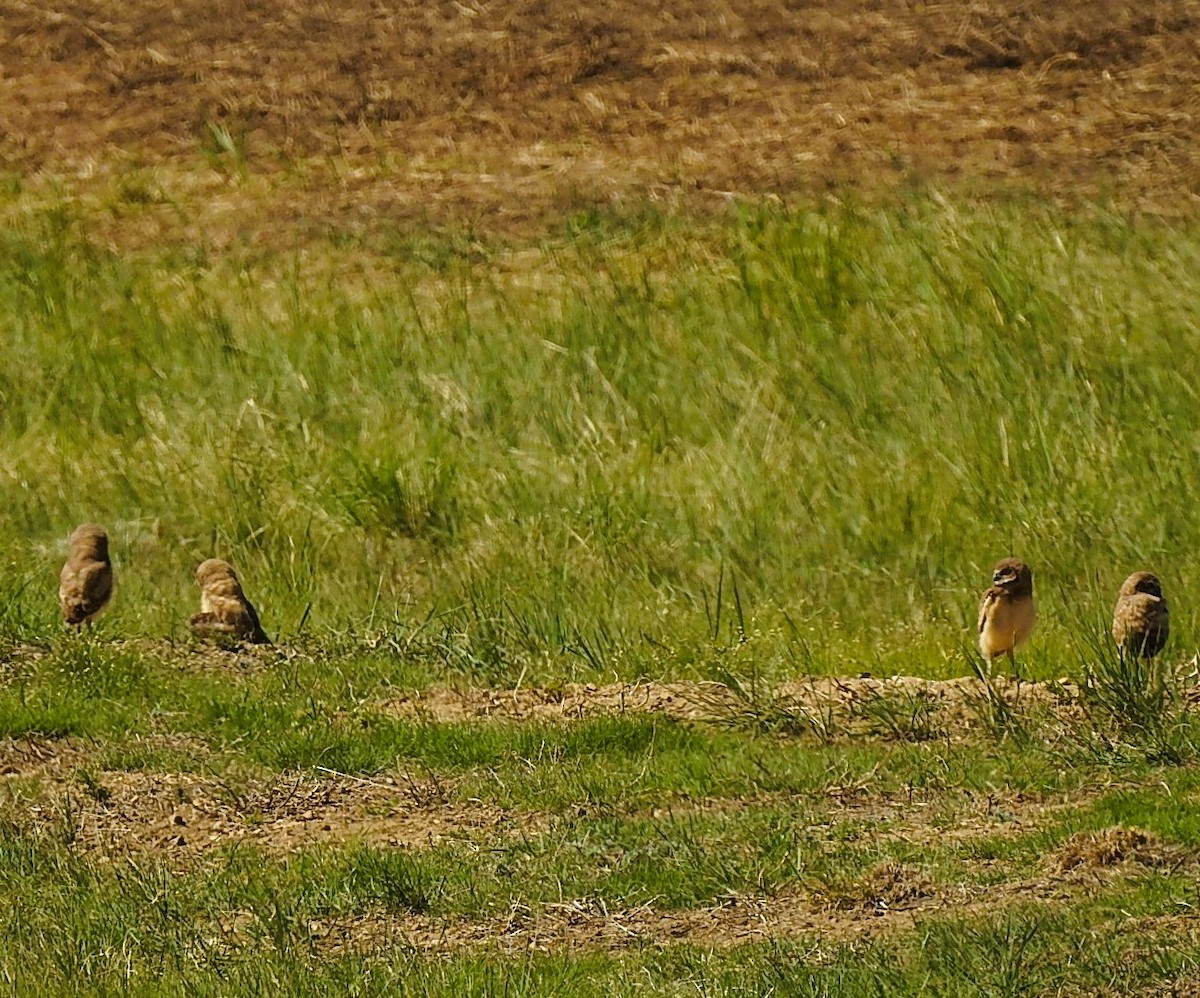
{"type": "Point", "coordinates": [505, 113]}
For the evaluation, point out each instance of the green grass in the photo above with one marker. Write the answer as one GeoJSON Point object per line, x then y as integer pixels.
{"type": "Point", "coordinates": [547, 466]}
{"type": "Point", "coordinates": [746, 447]}
{"type": "Point", "coordinates": [135, 926]}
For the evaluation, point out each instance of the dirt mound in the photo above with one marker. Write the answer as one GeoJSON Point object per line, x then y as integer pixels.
{"type": "Point", "coordinates": [509, 111]}
{"type": "Point", "coordinates": [590, 924]}
{"type": "Point", "coordinates": [902, 708]}
{"type": "Point", "coordinates": [571, 701]}
{"type": "Point", "coordinates": [1112, 846]}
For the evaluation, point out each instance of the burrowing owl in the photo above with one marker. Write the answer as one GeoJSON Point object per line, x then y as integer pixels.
{"type": "Point", "coordinates": [224, 609]}
{"type": "Point", "coordinates": [1006, 613]}
{"type": "Point", "coordinates": [85, 583]}
{"type": "Point", "coordinates": [1140, 618]}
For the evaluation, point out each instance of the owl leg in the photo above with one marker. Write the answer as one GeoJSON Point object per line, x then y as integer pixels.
{"type": "Point", "coordinates": [1012, 663]}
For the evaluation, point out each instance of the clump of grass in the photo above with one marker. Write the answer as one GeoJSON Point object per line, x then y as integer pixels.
{"type": "Point", "coordinates": [999, 715]}
{"type": "Point", "coordinates": [1137, 695]}
{"type": "Point", "coordinates": [409, 501]}
{"type": "Point", "coordinates": [910, 715]}
{"type": "Point", "coordinates": [95, 669]}
{"type": "Point", "coordinates": [394, 881]}
{"type": "Point", "coordinates": [224, 146]}
{"type": "Point", "coordinates": [1134, 706]}
{"type": "Point", "coordinates": [750, 703]}
{"type": "Point", "coordinates": [19, 619]}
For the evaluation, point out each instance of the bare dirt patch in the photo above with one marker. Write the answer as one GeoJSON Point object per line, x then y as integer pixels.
{"type": "Point", "coordinates": [194, 655]}
{"type": "Point", "coordinates": [42, 756]}
{"type": "Point", "coordinates": [186, 816]}
{"type": "Point", "coordinates": [59, 759]}
{"type": "Point", "coordinates": [502, 113]}
{"type": "Point", "coordinates": [889, 887]}
{"type": "Point", "coordinates": [572, 701]}
{"type": "Point", "coordinates": [901, 707]}
{"type": "Point", "coordinates": [590, 924]}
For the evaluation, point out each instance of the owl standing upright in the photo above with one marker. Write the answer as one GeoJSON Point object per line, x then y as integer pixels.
{"type": "Point", "coordinates": [1006, 612]}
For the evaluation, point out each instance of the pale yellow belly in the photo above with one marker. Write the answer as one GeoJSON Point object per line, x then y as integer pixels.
{"type": "Point", "coordinates": [1007, 627]}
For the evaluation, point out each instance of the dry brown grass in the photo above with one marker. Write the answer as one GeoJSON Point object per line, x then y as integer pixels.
{"type": "Point", "coordinates": [1113, 846]}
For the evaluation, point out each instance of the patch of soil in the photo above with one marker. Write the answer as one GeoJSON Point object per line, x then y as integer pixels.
{"type": "Point", "coordinates": [888, 887]}
{"type": "Point", "coordinates": [572, 701]}
{"type": "Point", "coordinates": [1187, 986]}
{"type": "Point", "coordinates": [59, 759]}
{"type": "Point", "coordinates": [194, 655]}
{"type": "Point", "coordinates": [590, 924]}
{"type": "Point", "coordinates": [497, 114]}
{"type": "Point", "coordinates": [900, 707]}
{"type": "Point", "coordinates": [187, 815]}
{"type": "Point", "coordinates": [38, 756]}
{"type": "Point", "coordinates": [908, 708]}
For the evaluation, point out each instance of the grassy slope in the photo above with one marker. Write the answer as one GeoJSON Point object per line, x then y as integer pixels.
{"type": "Point", "coordinates": [775, 442]}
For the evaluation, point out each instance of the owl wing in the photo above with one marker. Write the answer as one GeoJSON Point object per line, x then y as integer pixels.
{"type": "Point", "coordinates": [1120, 624]}
{"type": "Point", "coordinates": [990, 597]}
{"type": "Point", "coordinates": [256, 634]}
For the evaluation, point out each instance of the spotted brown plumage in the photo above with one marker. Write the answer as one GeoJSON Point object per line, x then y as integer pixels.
{"type": "Point", "coordinates": [1141, 620]}
{"type": "Point", "coordinates": [85, 584]}
{"type": "Point", "coordinates": [224, 609]}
